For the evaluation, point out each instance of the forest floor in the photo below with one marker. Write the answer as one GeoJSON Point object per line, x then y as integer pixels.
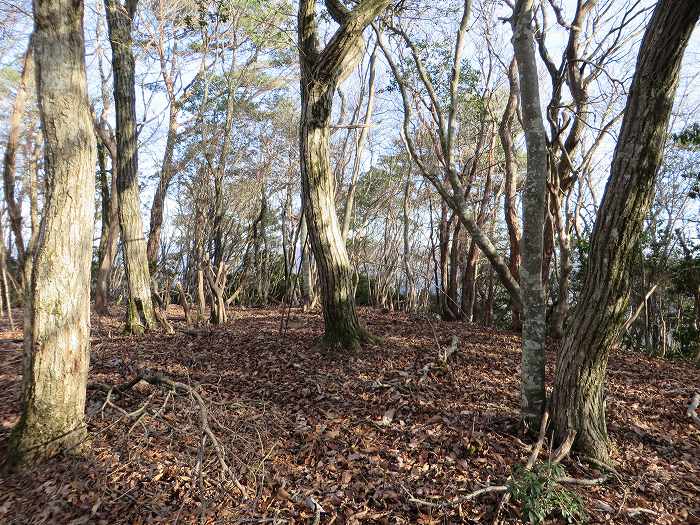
{"type": "Point", "coordinates": [363, 435]}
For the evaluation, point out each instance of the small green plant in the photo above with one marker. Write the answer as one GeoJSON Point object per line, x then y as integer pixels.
{"type": "Point", "coordinates": [540, 494]}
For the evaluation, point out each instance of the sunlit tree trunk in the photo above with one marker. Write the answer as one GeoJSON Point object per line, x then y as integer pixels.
{"type": "Point", "coordinates": [140, 307]}
{"type": "Point", "coordinates": [321, 72]}
{"type": "Point", "coordinates": [14, 208]}
{"type": "Point", "coordinates": [57, 327]}
{"type": "Point", "coordinates": [596, 324]}
{"type": "Point", "coordinates": [505, 133]}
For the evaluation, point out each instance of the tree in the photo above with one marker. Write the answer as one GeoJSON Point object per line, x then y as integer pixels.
{"type": "Point", "coordinates": [322, 70]}
{"type": "Point", "coordinates": [14, 207]}
{"type": "Point", "coordinates": [57, 332]}
{"type": "Point", "coordinates": [578, 399]}
{"type": "Point", "coordinates": [534, 201]}
{"type": "Point", "coordinates": [139, 314]}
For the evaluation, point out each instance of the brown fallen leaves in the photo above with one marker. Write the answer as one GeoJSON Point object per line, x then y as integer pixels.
{"type": "Point", "coordinates": [338, 439]}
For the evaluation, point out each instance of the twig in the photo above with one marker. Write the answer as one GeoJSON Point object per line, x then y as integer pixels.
{"type": "Point", "coordinates": [159, 380]}
{"type": "Point", "coordinates": [540, 441]}
{"type": "Point", "coordinates": [586, 482]}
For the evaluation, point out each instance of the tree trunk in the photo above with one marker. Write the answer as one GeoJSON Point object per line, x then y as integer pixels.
{"type": "Point", "coordinates": [307, 285]}
{"type": "Point", "coordinates": [469, 282]}
{"type": "Point", "coordinates": [166, 175]}
{"type": "Point", "coordinates": [322, 70]}
{"type": "Point", "coordinates": [109, 238]}
{"type": "Point", "coordinates": [341, 324]}
{"type": "Point", "coordinates": [505, 133]}
{"type": "Point", "coordinates": [533, 395]}
{"type": "Point", "coordinates": [359, 148]}
{"type": "Point", "coordinates": [578, 399]}
{"type": "Point", "coordinates": [140, 307]}
{"type": "Point", "coordinates": [57, 331]}
{"type": "Point", "coordinates": [14, 208]}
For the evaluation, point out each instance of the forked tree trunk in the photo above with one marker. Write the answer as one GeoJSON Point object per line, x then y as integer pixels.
{"type": "Point", "coordinates": [139, 314]}
{"type": "Point", "coordinates": [57, 331]}
{"type": "Point", "coordinates": [322, 70]}
{"type": "Point", "coordinates": [578, 399]}
{"type": "Point", "coordinates": [532, 392]}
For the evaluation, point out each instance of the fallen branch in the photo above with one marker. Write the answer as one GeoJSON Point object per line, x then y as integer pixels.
{"type": "Point", "coordinates": [555, 457]}
{"type": "Point", "coordinates": [160, 380]}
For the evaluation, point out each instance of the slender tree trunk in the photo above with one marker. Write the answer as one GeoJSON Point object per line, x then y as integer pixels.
{"type": "Point", "coordinates": [410, 279]}
{"type": "Point", "coordinates": [453, 303]}
{"type": "Point", "coordinates": [359, 148]}
{"type": "Point", "coordinates": [14, 208]}
{"type": "Point", "coordinates": [307, 285]}
{"type": "Point", "coordinates": [109, 237]}
{"type": "Point", "coordinates": [505, 133]}
{"type": "Point", "coordinates": [140, 307]}
{"type": "Point", "coordinates": [469, 282]}
{"type": "Point", "coordinates": [533, 395]}
{"type": "Point", "coordinates": [596, 324]}
{"type": "Point", "coordinates": [57, 329]}
{"type": "Point", "coordinates": [166, 175]}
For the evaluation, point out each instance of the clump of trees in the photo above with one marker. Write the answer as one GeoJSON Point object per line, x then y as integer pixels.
{"type": "Point", "coordinates": [369, 159]}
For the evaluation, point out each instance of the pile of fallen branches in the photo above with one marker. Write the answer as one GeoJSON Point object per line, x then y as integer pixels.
{"type": "Point", "coordinates": [239, 460]}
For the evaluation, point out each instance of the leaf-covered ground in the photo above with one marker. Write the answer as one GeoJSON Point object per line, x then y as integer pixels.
{"type": "Point", "coordinates": [363, 435]}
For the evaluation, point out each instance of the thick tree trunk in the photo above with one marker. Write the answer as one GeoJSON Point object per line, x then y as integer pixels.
{"type": "Point", "coordinates": [341, 324]}
{"type": "Point", "coordinates": [57, 331]}
{"type": "Point", "coordinates": [533, 395]}
{"type": "Point", "coordinates": [322, 70]}
{"type": "Point", "coordinates": [140, 307]}
{"type": "Point", "coordinates": [578, 399]}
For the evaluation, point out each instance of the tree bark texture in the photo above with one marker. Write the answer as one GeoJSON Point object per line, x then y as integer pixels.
{"type": "Point", "coordinates": [57, 328]}
{"type": "Point", "coordinates": [533, 395]}
{"type": "Point", "coordinates": [321, 72]}
{"type": "Point", "coordinates": [140, 307]}
{"type": "Point", "coordinates": [599, 316]}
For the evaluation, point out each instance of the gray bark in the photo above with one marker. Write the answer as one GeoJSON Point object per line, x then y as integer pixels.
{"type": "Point", "coordinates": [533, 397]}
{"type": "Point", "coordinates": [140, 314]}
